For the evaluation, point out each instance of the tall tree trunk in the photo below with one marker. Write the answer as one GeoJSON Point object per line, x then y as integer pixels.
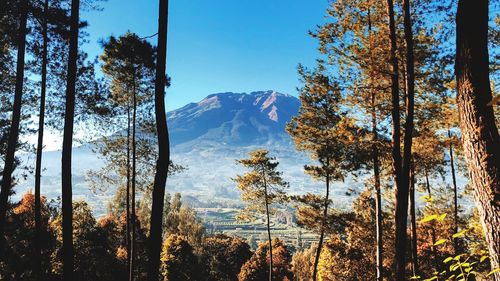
{"type": "Point", "coordinates": [402, 191]}
{"type": "Point", "coordinates": [413, 218]}
{"type": "Point", "coordinates": [39, 150]}
{"type": "Point", "coordinates": [268, 231]}
{"type": "Point", "coordinates": [376, 164]}
{"type": "Point", "coordinates": [127, 237]}
{"type": "Point", "coordinates": [378, 196]}
{"type": "Point", "coordinates": [14, 126]}
{"type": "Point", "coordinates": [163, 161]}
{"type": "Point", "coordinates": [400, 176]}
{"type": "Point", "coordinates": [480, 137]}
{"type": "Point", "coordinates": [455, 193]}
{"type": "Point", "coordinates": [134, 172]}
{"type": "Point", "coordinates": [67, 207]}
{"type": "Point", "coordinates": [323, 226]}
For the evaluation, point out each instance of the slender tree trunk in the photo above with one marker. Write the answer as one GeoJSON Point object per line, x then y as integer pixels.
{"type": "Point", "coordinates": [376, 167]}
{"type": "Point", "coordinates": [455, 193]}
{"type": "Point", "coordinates": [162, 165]}
{"type": "Point", "coordinates": [480, 137]}
{"type": "Point", "coordinates": [413, 218]}
{"type": "Point", "coordinates": [378, 193]}
{"type": "Point", "coordinates": [400, 175]}
{"type": "Point", "coordinates": [67, 207]}
{"type": "Point", "coordinates": [39, 150]}
{"type": "Point", "coordinates": [14, 127]}
{"type": "Point", "coordinates": [378, 200]}
{"type": "Point", "coordinates": [127, 237]}
{"type": "Point", "coordinates": [402, 191]}
{"type": "Point", "coordinates": [269, 233]}
{"type": "Point", "coordinates": [134, 172]}
{"type": "Point", "coordinates": [323, 226]}
{"type": "Point", "coordinates": [433, 229]}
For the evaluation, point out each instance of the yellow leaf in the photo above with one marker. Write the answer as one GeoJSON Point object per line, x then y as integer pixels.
{"type": "Point", "coordinates": [493, 271]}
{"type": "Point", "coordinates": [441, 217]}
{"type": "Point", "coordinates": [448, 259]}
{"type": "Point", "coordinates": [429, 218]}
{"type": "Point", "coordinates": [460, 233]}
{"type": "Point", "coordinates": [439, 242]}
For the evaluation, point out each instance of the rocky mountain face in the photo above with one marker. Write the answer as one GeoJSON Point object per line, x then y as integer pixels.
{"type": "Point", "coordinates": [235, 119]}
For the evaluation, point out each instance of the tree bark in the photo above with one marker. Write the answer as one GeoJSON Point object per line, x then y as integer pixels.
{"type": "Point", "coordinates": [400, 168]}
{"type": "Point", "coordinates": [268, 231]}
{"type": "Point", "coordinates": [323, 226]}
{"type": "Point", "coordinates": [134, 172]}
{"type": "Point", "coordinates": [455, 194]}
{"type": "Point", "coordinates": [480, 136]}
{"type": "Point", "coordinates": [162, 164]}
{"type": "Point", "coordinates": [376, 164]}
{"type": "Point", "coordinates": [413, 218]}
{"type": "Point", "coordinates": [67, 207]}
{"type": "Point", "coordinates": [127, 237]}
{"type": "Point", "coordinates": [433, 229]}
{"type": "Point", "coordinates": [14, 127]}
{"type": "Point", "coordinates": [39, 150]}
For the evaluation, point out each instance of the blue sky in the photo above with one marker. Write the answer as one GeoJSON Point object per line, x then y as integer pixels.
{"type": "Point", "coordinates": [219, 45]}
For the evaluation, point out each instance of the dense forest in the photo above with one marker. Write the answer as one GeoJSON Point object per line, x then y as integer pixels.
{"type": "Point", "coordinates": [403, 98]}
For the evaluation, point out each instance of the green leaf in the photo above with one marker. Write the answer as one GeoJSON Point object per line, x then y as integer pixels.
{"type": "Point", "coordinates": [429, 218]}
{"type": "Point", "coordinates": [432, 278]}
{"type": "Point", "coordinates": [439, 242]}
{"type": "Point", "coordinates": [483, 258]}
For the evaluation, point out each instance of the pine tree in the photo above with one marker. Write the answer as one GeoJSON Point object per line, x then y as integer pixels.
{"type": "Point", "coordinates": [322, 130]}
{"type": "Point", "coordinates": [155, 233]}
{"type": "Point", "coordinates": [12, 143]}
{"type": "Point", "coordinates": [261, 187]}
{"type": "Point", "coordinates": [480, 137]}
{"type": "Point", "coordinates": [129, 62]}
{"type": "Point", "coordinates": [67, 194]}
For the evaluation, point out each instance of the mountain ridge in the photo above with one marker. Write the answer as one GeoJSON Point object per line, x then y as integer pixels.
{"type": "Point", "coordinates": [234, 118]}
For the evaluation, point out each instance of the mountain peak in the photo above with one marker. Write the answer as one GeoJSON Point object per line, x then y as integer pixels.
{"type": "Point", "coordinates": [234, 118]}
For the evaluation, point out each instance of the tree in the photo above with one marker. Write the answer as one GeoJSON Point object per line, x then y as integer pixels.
{"type": "Point", "coordinates": [155, 233]}
{"type": "Point", "coordinates": [67, 194]}
{"type": "Point", "coordinates": [261, 187]}
{"type": "Point", "coordinates": [480, 136]}
{"type": "Point", "coordinates": [178, 261]}
{"type": "Point", "coordinates": [256, 268]}
{"type": "Point", "coordinates": [223, 256]}
{"type": "Point", "coordinates": [39, 148]}
{"type": "Point", "coordinates": [94, 254]}
{"type": "Point", "coordinates": [8, 169]}
{"type": "Point", "coordinates": [302, 264]}
{"type": "Point", "coordinates": [129, 62]}
{"type": "Point", "coordinates": [321, 129]}
{"type": "Point", "coordinates": [22, 260]}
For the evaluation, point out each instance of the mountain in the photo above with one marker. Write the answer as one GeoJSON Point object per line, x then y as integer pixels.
{"type": "Point", "coordinates": [206, 137]}
{"type": "Point", "coordinates": [235, 119]}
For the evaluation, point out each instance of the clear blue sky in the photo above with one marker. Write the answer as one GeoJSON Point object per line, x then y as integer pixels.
{"type": "Point", "coordinates": [219, 45]}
